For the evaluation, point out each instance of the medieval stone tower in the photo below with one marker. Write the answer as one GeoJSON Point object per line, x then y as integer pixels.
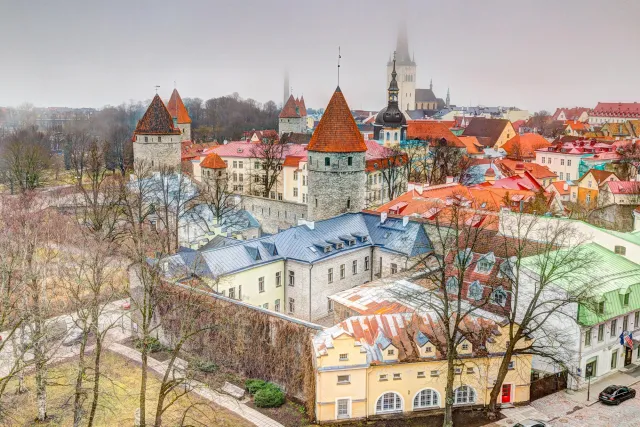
{"type": "Point", "coordinates": [156, 141]}
{"type": "Point", "coordinates": [406, 72]}
{"type": "Point", "coordinates": [180, 115]}
{"type": "Point", "coordinates": [336, 162]}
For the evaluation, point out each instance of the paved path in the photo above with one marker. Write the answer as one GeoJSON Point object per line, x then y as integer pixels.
{"type": "Point", "coordinates": [202, 389]}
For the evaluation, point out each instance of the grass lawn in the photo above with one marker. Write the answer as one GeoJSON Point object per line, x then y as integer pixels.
{"type": "Point", "coordinates": [119, 400]}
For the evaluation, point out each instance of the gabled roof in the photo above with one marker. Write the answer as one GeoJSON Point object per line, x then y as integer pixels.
{"type": "Point", "coordinates": [290, 110]}
{"type": "Point", "coordinates": [337, 131]}
{"type": "Point", "coordinates": [623, 187]}
{"type": "Point", "coordinates": [425, 95]}
{"type": "Point", "coordinates": [487, 128]}
{"type": "Point", "coordinates": [570, 113]}
{"type": "Point", "coordinates": [617, 109]}
{"type": "Point", "coordinates": [560, 187]}
{"type": "Point", "coordinates": [433, 131]}
{"type": "Point", "coordinates": [213, 161]}
{"type": "Point", "coordinates": [524, 146]}
{"type": "Point", "coordinates": [156, 120]}
{"type": "Point", "coordinates": [301, 106]}
{"type": "Point", "coordinates": [509, 167]}
{"type": "Point", "coordinates": [472, 144]}
{"type": "Point", "coordinates": [177, 109]}
{"type": "Point", "coordinates": [599, 175]}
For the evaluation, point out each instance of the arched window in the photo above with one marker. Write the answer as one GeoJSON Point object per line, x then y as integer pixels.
{"type": "Point", "coordinates": [475, 291]}
{"type": "Point", "coordinates": [452, 285]}
{"type": "Point", "coordinates": [388, 136]}
{"type": "Point", "coordinates": [426, 398]}
{"type": "Point", "coordinates": [464, 395]}
{"type": "Point", "coordinates": [389, 402]}
{"type": "Point", "coordinates": [395, 136]}
{"type": "Point", "coordinates": [499, 296]}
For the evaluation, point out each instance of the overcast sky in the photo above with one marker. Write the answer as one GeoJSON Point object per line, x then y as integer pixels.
{"type": "Point", "coordinates": [530, 53]}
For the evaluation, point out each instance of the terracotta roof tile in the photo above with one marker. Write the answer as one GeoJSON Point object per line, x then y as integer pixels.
{"type": "Point", "coordinates": [177, 109]}
{"type": "Point", "coordinates": [156, 120]}
{"type": "Point", "coordinates": [213, 161]}
{"type": "Point", "coordinates": [337, 131]}
{"type": "Point", "coordinates": [432, 130]}
{"type": "Point", "coordinates": [559, 186]}
{"type": "Point", "coordinates": [293, 161]}
{"type": "Point", "coordinates": [301, 107]}
{"type": "Point", "coordinates": [624, 187]}
{"type": "Point", "coordinates": [472, 144]}
{"type": "Point", "coordinates": [508, 167]}
{"type": "Point", "coordinates": [290, 110]}
{"type": "Point", "coordinates": [524, 146]}
{"type": "Point", "coordinates": [598, 175]}
{"type": "Point", "coordinates": [617, 109]}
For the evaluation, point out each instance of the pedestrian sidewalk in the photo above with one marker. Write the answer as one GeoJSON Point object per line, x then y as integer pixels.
{"type": "Point", "coordinates": [201, 389]}
{"type": "Point", "coordinates": [625, 377]}
{"type": "Point", "coordinates": [518, 414]}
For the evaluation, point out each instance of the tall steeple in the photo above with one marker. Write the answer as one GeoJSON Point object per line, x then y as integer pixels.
{"type": "Point", "coordinates": [286, 88]}
{"type": "Point", "coordinates": [431, 85]}
{"type": "Point", "coordinates": [448, 98]}
{"type": "Point", "coordinates": [402, 46]}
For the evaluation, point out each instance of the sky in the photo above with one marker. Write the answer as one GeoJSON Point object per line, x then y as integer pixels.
{"type": "Point", "coordinates": [533, 54]}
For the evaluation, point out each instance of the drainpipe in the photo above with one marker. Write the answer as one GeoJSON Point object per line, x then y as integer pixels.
{"type": "Point", "coordinates": [371, 266]}
{"type": "Point", "coordinates": [310, 271]}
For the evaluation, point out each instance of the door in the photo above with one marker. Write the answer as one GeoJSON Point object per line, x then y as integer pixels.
{"type": "Point", "coordinates": [627, 356]}
{"type": "Point", "coordinates": [506, 393]}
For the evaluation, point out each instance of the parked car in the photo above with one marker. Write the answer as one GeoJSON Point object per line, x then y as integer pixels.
{"type": "Point", "coordinates": [616, 394]}
{"type": "Point", "coordinates": [531, 423]}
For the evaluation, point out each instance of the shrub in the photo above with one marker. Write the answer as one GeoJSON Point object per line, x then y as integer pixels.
{"type": "Point", "coordinates": [254, 385]}
{"type": "Point", "coordinates": [205, 366]}
{"type": "Point", "coordinates": [269, 397]}
{"type": "Point", "coordinates": [152, 343]}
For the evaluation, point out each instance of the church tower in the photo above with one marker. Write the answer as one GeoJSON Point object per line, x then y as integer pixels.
{"type": "Point", "coordinates": [406, 70]}
{"type": "Point", "coordinates": [336, 163]}
{"type": "Point", "coordinates": [180, 115]}
{"type": "Point", "coordinates": [390, 127]}
{"type": "Point", "coordinates": [156, 140]}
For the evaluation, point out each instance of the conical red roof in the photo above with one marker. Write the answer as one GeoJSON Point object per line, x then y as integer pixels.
{"type": "Point", "coordinates": [337, 131]}
{"type": "Point", "coordinates": [213, 161]}
{"type": "Point", "coordinates": [177, 109]}
{"type": "Point", "coordinates": [290, 109]}
{"type": "Point", "coordinates": [156, 120]}
{"type": "Point", "coordinates": [301, 107]}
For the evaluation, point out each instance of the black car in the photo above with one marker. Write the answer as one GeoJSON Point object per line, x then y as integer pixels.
{"type": "Point", "coordinates": [615, 394]}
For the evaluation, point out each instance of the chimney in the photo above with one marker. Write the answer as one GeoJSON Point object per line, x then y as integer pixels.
{"type": "Point", "coordinates": [311, 225]}
{"type": "Point", "coordinates": [383, 217]}
{"type": "Point", "coordinates": [449, 180]}
{"type": "Point", "coordinates": [520, 169]}
{"type": "Point", "coordinates": [405, 220]}
{"type": "Point", "coordinates": [565, 187]}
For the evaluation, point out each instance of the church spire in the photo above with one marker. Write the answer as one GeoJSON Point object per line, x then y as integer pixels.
{"type": "Point", "coordinates": [448, 98]}
{"type": "Point", "coordinates": [431, 85]}
{"type": "Point", "coordinates": [402, 46]}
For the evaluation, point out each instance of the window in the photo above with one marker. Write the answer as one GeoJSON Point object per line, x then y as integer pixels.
{"type": "Point", "coordinates": [435, 373]}
{"type": "Point", "coordinates": [295, 191]}
{"type": "Point", "coordinates": [512, 364]}
{"type": "Point", "coordinates": [327, 161]}
{"type": "Point", "coordinates": [349, 161]}
{"type": "Point", "coordinates": [235, 164]}
{"type": "Point", "coordinates": [240, 164]}
{"type": "Point", "coordinates": [470, 370]}
{"type": "Point", "coordinates": [344, 356]}
{"type": "Point", "coordinates": [589, 183]}
{"type": "Point", "coordinates": [499, 296]}
{"type": "Point", "coordinates": [561, 176]}
{"type": "Point", "coordinates": [344, 379]}
{"type": "Point", "coordinates": [452, 285]}
{"type": "Point", "coordinates": [278, 284]}
{"type": "Point", "coordinates": [568, 164]}
{"type": "Point", "coordinates": [366, 263]}
{"type": "Point", "coordinates": [587, 338]}
{"type": "Point", "coordinates": [390, 352]}
{"type": "Point", "coordinates": [620, 250]}
{"type": "Point", "coordinates": [397, 377]}
{"type": "Point", "coordinates": [265, 306]}
{"type": "Point", "coordinates": [330, 305]}
{"type": "Point", "coordinates": [475, 290]}
{"type": "Point", "coordinates": [389, 402]}
{"type": "Point", "coordinates": [614, 359]}
{"type": "Point", "coordinates": [543, 160]}
{"type": "Point", "coordinates": [273, 193]}
{"type": "Point", "coordinates": [304, 198]}
{"type": "Point", "coordinates": [636, 319]}
{"type": "Point", "coordinates": [256, 165]}
{"type": "Point", "coordinates": [426, 398]}
{"type": "Point", "coordinates": [279, 196]}
{"type": "Point", "coordinates": [292, 305]}
{"type": "Point", "coordinates": [354, 267]}
{"type": "Point", "coordinates": [342, 410]}
{"type": "Point", "coordinates": [240, 292]}
{"type": "Point", "coordinates": [568, 176]}
{"type": "Point", "coordinates": [614, 323]}
{"type": "Point", "coordinates": [427, 349]}
{"type": "Point", "coordinates": [342, 271]}
{"type": "Point", "coordinates": [383, 377]}
{"type": "Point", "coordinates": [394, 268]}
{"type": "Point", "coordinates": [600, 307]}
{"type": "Point", "coordinates": [330, 275]}
{"type": "Point", "coordinates": [232, 293]}
{"type": "Point", "coordinates": [276, 306]}
{"type": "Point", "coordinates": [600, 332]}
{"type": "Point", "coordinates": [625, 322]}
{"type": "Point", "coordinates": [304, 180]}
{"type": "Point", "coordinates": [295, 175]}
{"type": "Point", "coordinates": [292, 278]}
{"type": "Point", "coordinates": [159, 139]}
{"type": "Point", "coordinates": [421, 374]}
{"type": "Point", "coordinates": [464, 395]}
{"type": "Point", "coordinates": [146, 139]}
{"type": "Point", "coordinates": [561, 162]}
{"type": "Point", "coordinates": [465, 347]}
{"type": "Point", "coordinates": [457, 371]}
{"type": "Point", "coordinates": [261, 284]}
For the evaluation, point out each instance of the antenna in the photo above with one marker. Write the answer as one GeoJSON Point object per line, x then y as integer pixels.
{"type": "Point", "coordinates": [175, 86]}
{"type": "Point", "coordinates": [156, 86]}
{"type": "Point", "coordinates": [339, 56]}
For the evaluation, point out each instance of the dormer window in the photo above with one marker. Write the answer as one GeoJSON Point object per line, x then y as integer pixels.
{"type": "Point", "coordinates": [499, 296]}
{"type": "Point", "coordinates": [452, 285]}
{"type": "Point", "coordinates": [327, 249]}
{"type": "Point", "coordinates": [344, 357]}
{"type": "Point", "coordinates": [391, 352]}
{"type": "Point", "coordinates": [465, 347]}
{"type": "Point", "coordinates": [475, 291]}
{"type": "Point", "coordinates": [600, 308]}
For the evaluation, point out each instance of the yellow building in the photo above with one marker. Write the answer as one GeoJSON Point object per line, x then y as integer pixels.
{"type": "Point", "coordinates": [589, 186]}
{"type": "Point", "coordinates": [375, 365]}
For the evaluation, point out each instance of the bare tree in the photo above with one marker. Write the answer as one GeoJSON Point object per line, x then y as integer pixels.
{"type": "Point", "coordinates": [24, 157]}
{"type": "Point", "coordinates": [394, 173]}
{"type": "Point", "coordinates": [267, 158]}
{"type": "Point", "coordinates": [79, 143]}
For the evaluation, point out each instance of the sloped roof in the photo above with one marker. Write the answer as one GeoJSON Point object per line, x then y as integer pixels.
{"type": "Point", "coordinates": [302, 108]}
{"type": "Point", "coordinates": [425, 95]}
{"type": "Point", "coordinates": [617, 109]}
{"type": "Point", "coordinates": [508, 166]}
{"type": "Point", "coordinates": [559, 186]}
{"type": "Point", "coordinates": [213, 161]}
{"type": "Point", "coordinates": [472, 144]}
{"type": "Point", "coordinates": [177, 109]}
{"type": "Point", "coordinates": [487, 128]}
{"type": "Point", "coordinates": [337, 131]}
{"type": "Point", "coordinates": [599, 175]}
{"type": "Point", "coordinates": [156, 120]}
{"type": "Point", "coordinates": [570, 113]}
{"type": "Point", "coordinates": [433, 131]}
{"type": "Point", "coordinates": [624, 187]}
{"type": "Point", "coordinates": [524, 146]}
{"type": "Point", "coordinates": [290, 110]}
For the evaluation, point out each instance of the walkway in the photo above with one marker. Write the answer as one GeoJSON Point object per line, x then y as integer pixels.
{"type": "Point", "coordinates": [202, 389]}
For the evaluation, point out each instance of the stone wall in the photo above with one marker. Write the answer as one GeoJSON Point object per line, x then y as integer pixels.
{"type": "Point", "coordinates": [157, 154]}
{"type": "Point", "coordinates": [274, 215]}
{"type": "Point", "coordinates": [336, 188]}
{"type": "Point", "coordinates": [297, 125]}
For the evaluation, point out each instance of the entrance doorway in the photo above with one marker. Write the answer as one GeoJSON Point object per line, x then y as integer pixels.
{"type": "Point", "coordinates": [506, 393]}
{"type": "Point", "coordinates": [591, 369]}
{"type": "Point", "coordinates": [627, 356]}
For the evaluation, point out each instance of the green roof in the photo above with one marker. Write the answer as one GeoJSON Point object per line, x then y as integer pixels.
{"type": "Point", "coordinates": [614, 275]}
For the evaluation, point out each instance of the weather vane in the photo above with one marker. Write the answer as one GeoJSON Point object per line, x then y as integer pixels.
{"type": "Point", "coordinates": [339, 56]}
{"type": "Point", "coordinates": [156, 86]}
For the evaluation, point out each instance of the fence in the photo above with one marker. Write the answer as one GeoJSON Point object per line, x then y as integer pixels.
{"type": "Point", "coordinates": [550, 384]}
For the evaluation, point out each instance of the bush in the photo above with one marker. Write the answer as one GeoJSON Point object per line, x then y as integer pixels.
{"type": "Point", "coordinates": [205, 366]}
{"type": "Point", "coordinates": [152, 343]}
{"type": "Point", "coordinates": [253, 386]}
{"type": "Point", "coordinates": [269, 397]}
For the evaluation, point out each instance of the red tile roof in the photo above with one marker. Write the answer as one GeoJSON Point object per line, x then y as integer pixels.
{"type": "Point", "coordinates": [293, 161]}
{"type": "Point", "coordinates": [517, 124]}
{"type": "Point", "coordinates": [301, 107]}
{"type": "Point", "coordinates": [213, 161]}
{"type": "Point", "coordinates": [472, 144]}
{"type": "Point", "coordinates": [380, 157]}
{"type": "Point", "coordinates": [290, 110]}
{"type": "Point", "coordinates": [177, 109]}
{"type": "Point", "coordinates": [156, 120]}
{"type": "Point", "coordinates": [617, 109]}
{"type": "Point", "coordinates": [624, 187]}
{"type": "Point", "coordinates": [191, 151]}
{"type": "Point", "coordinates": [559, 186]}
{"type": "Point", "coordinates": [576, 125]}
{"type": "Point", "coordinates": [524, 146]}
{"type": "Point", "coordinates": [432, 131]}
{"type": "Point", "coordinates": [515, 182]}
{"type": "Point", "coordinates": [337, 131]}
{"type": "Point", "coordinates": [570, 113]}
{"type": "Point", "coordinates": [508, 167]}
{"type": "Point", "coordinates": [244, 149]}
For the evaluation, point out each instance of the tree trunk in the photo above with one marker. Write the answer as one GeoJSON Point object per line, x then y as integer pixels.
{"type": "Point", "coordinates": [143, 386]}
{"type": "Point", "coordinates": [96, 378]}
{"type": "Point", "coordinates": [502, 373]}
{"type": "Point", "coordinates": [448, 400]}
{"type": "Point", "coordinates": [78, 399]}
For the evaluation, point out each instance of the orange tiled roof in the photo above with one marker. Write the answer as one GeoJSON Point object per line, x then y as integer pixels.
{"type": "Point", "coordinates": [301, 107]}
{"type": "Point", "coordinates": [432, 130]}
{"type": "Point", "coordinates": [290, 110]}
{"type": "Point", "coordinates": [598, 175]}
{"type": "Point", "coordinates": [524, 146]}
{"type": "Point", "coordinates": [293, 161]}
{"type": "Point", "coordinates": [508, 166]}
{"type": "Point", "coordinates": [156, 120]}
{"type": "Point", "coordinates": [337, 131]}
{"type": "Point", "coordinates": [472, 144]}
{"type": "Point", "coordinates": [576, 125]}
{"type": "Point", "coordinates": [177, 109]}
{"type": "Point", "coordinates": [559, 186]}
{"type": "Point", "coordinates": [213, 161]}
